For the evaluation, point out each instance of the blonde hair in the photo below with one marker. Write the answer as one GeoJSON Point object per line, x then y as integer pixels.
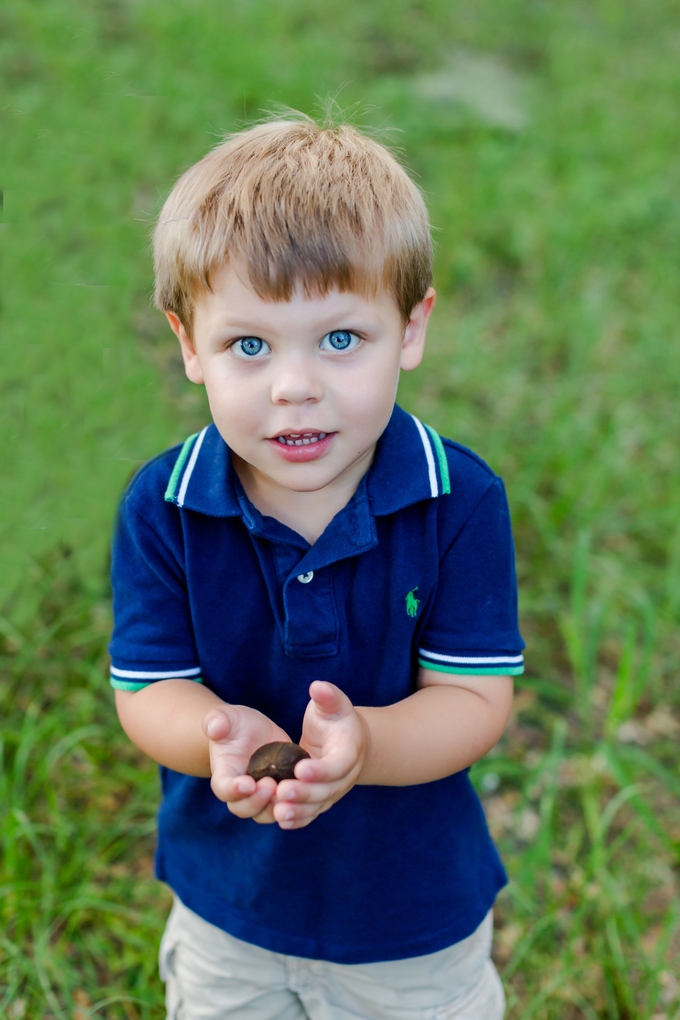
{"type": "Point", "coordinates": [297, 204]}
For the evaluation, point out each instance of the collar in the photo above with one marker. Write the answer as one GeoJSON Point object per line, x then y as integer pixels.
{"type": "Point", "coordinates": [409, 466]}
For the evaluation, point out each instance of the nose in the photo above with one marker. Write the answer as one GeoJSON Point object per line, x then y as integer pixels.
{"type": "Point", "coordinates": [296, 380]}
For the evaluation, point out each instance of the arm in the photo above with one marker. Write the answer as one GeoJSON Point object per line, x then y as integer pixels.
{"type": "Point", "coordinates": [450, 722]}
{"type": "Point", "coordinates": [164, 720]}
{"type": "Point", "coordinates": [183, 725]}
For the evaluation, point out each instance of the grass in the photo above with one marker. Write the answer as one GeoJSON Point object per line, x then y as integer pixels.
{"type": "Point", "coordinates": [545, 139]}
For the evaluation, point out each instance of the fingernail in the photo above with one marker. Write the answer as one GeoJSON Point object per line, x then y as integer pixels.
{"type": "Point", "coordinates": [290, 795]}
{"type": "Point", "coordinates": [307, 774]}
{"type": "Point", "coordinates": [211, 727]}
{"type": "Point", "coordinates": [243, 787]}
{"type": "Point", "coordinates": [289, 815]}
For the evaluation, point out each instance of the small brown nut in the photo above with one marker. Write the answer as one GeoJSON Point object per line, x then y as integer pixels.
{"type": "Point", "coordinates": [277, 760]}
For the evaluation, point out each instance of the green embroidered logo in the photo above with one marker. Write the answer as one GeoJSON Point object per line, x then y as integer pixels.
{"type": "Point", "coordinates": [412, 602]}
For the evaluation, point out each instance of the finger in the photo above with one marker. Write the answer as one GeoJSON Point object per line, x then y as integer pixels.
{"type": "Point", "coordinates": [265, 817]}
{"type": "Point", "coordinates": [330, 768]}
{"type": "Point", "coordinates": [218, 723]}
{"type": "Point", "coordinates": [309, 793]}
{"type": "Point", "coordinates": [296, 816]}
{"type": "Point", "coordinates": [231, 787]}
{"type": "Point", "coordinates": [254, 805]}
{"type": "Point", "coordinates": [329, 699]}
{"type": "Point", "coordinates": [257, 812]}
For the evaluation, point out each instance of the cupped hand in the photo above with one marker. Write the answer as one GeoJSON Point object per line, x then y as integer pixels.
{"type": "Point", "coordinates": [234, 733]}
{"type": "Point", "coordinates": [337, 738]}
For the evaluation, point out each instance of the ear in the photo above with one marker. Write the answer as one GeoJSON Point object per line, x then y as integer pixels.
{"type": "Point", "coordinates": [413, 345]}
{"type": "Point", "coordinates": [192, 365]}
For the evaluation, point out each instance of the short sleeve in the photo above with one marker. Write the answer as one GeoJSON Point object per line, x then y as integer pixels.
{"type": "Point", "coordinates": [472, 626]}
{"type": "Point", "coordinates": [153, 635]}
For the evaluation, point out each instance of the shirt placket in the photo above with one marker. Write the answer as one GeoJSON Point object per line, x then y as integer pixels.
{"type": "Point", "coordinates": [311, 619]}
{"type": "Point", "coordinates": [301, 582]}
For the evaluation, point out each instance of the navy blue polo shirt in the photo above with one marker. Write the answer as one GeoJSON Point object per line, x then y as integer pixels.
{"type": "Point", "coordinates": [417, 569]}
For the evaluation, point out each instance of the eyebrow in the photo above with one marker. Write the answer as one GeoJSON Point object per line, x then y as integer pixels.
{"type": "Point", "coordinates": [343, 319]}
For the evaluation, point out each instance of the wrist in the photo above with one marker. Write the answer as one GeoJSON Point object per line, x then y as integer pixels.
{"type": "Point", "coordinates": [366, 747]}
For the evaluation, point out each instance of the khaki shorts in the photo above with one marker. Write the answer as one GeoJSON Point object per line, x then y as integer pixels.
{"type": "Point", "coordinates": [210, 975]}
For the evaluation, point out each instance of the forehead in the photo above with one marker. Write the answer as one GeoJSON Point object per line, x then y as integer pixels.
{"type": "Point", "coordinates": [232, 301]}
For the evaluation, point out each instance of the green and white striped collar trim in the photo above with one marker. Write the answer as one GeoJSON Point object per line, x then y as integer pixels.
{"type": "Point", "coordinates": [431, 442]}
{"type": "Point", "coordinates": [180, 477]}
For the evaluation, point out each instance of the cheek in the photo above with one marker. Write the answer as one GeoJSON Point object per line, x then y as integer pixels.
{"type": "Point", "coordinates": [232, 401]}
{"type": "Point", "coordinates": [371, 399]}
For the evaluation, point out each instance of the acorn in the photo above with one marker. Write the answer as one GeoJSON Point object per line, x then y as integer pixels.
{"type": "Point", "coordinates": [277, 760]}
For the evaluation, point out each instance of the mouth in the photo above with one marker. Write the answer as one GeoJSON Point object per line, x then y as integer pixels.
{"type": "Point", "coordinates": [299, 438]}
{"type": "Point", "coordinates": [299, 447]}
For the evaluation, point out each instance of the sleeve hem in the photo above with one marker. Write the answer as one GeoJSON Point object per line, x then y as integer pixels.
{"type": "Point", "coordinates": [137, 685]}
{"type": "Point", "coordinates": [472, 670]}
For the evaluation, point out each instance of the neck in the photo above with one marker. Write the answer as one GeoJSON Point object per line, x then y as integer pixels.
{"type": "Point", "coordinates": [308, 513]}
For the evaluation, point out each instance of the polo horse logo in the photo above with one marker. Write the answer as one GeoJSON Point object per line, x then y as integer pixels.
{"type": "Point", "coordinates": [412, 602]}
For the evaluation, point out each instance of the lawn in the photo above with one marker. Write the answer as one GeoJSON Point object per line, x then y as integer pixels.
{"type": "Point", "coordinates": [545, 137]}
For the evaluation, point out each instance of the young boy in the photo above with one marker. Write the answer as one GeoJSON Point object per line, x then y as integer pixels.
{"type": "Point", "coordinates": [314, 566]}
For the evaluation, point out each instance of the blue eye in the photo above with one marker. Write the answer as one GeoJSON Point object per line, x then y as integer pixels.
{"type": "Point", "coordinates": [339, 340]}
{"type": "Point", "coordinates": [250, 347]}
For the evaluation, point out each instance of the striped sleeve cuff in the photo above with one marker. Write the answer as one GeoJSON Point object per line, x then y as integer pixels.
{"type": "Point", "coordinates": [472, 664]}
{"type": "Point", "coordinates": [136, 679]}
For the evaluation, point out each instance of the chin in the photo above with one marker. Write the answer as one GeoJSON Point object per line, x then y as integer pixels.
{"type": "Point", "coordinates": [306, 484]}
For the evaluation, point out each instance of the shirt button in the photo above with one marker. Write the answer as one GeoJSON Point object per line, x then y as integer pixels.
{"type": "Point", "coordinates": [305, 578]}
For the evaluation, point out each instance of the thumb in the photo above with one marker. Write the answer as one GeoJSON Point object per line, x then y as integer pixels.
{"type": "Point", "coordinates": [218, 723]}
{"type": "Point", "coordinates": [329, 699]}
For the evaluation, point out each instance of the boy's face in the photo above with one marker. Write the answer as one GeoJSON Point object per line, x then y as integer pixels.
{"type": "Point", "coordinates": [300, 390]}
